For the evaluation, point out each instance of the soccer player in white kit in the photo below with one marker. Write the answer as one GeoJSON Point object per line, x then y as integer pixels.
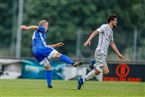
{"type": "Point", "coordinates": [105, 39]}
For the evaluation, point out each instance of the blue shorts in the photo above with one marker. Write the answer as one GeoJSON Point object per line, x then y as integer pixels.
{"type": "Point", "coordinates": [43, 54]}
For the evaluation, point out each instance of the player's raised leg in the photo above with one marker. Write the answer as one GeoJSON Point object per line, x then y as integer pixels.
{"type": "Point", "coordinates": [66, 59]}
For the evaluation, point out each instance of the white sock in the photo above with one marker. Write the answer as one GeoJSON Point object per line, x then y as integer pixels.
{"type": "Point", "coordinates": [90, 75]}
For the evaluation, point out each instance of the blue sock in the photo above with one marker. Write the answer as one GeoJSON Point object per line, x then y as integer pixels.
{"type": "Point", "coordinates": [66, 59]}
{"type": "Point", "coordinates": [48, 77]}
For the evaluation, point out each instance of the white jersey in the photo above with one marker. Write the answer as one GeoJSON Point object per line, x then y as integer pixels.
{"type": "Point", "coordinates": [105, 35]}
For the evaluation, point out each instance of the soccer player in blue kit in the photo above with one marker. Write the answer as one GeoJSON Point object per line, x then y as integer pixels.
{"type": "Point", "coordinates": [43, 52]}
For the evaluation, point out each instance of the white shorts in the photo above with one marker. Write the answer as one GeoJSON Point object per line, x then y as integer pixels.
{"type": "Point", "coordinates": [100, 58]}
{"type": "Point", "coordinates": [45, 61]}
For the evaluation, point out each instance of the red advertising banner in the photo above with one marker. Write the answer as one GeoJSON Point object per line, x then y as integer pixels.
{"type": "Point", "coordinates": [126, 72]}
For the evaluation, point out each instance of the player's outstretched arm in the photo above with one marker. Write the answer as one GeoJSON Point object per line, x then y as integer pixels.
{"type": "Point", "coordinates": [113, 46]}
{"type": "Point", "coordinates": [23, 27]}
{"type": "Point", "coordinates": [88, 42]}
{"type": "Point", "coordinates": [59, 44]}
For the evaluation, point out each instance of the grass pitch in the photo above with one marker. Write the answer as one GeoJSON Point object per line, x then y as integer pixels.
{"type": "Point", "coordinates": [37, 88]}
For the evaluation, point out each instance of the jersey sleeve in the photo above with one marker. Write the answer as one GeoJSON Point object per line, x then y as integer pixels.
{"type": "Point", "coordinates": [41, 29]}
{"type": "Point", "coordinates": [111, 38]}
{"type": "Point", "coordinates": [100, 29]}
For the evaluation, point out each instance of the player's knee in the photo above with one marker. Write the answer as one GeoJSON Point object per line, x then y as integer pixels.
{"type": "Point", "coordinates": [48, 67]}
{"type": "Point", "coordinates": [57, 56]}
{"type": "Point", "coordinates": [106, 71]}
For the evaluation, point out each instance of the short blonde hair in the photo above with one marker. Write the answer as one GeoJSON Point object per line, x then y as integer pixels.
{"type": "Point", "coordinates": [42, 22]}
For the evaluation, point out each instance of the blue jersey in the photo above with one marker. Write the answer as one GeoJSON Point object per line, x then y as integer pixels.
{"type": "Point", "coordinates": [39, 47]}
{"type": "Point", "coordinates": [39, 37]}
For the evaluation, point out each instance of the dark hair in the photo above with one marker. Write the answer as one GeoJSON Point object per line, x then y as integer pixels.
{"type": "Point", "coordinates": [111, 17]}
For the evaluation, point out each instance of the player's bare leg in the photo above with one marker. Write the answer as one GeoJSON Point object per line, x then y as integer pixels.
{"type": "Point", "coordinates": [48, 67]}
{"type": "Point", "coordinates": [105, 69]}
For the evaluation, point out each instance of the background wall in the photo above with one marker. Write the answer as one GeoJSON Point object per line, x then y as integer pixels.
{"type": "Point", "coordinates": [30, 69]}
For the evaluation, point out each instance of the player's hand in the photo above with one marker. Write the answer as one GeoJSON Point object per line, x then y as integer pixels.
{"type": "Point", "coordinates": [87, 43]}
{"type": "Point", "coordinates": [59, 44]}
{"type": "Point", "coordinates": [121, 56]}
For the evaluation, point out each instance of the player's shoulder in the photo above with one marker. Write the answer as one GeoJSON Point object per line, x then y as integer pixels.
{"type": "Point", "coordinates": [41, 29]}
{"type": "Point", "coordinates": [104, 25]}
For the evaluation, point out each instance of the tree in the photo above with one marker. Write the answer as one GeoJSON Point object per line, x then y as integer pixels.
{"type": "Point", "coordinates": [67, 17]}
